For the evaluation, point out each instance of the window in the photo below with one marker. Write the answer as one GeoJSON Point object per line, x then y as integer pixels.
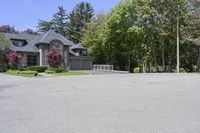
{"type": "Point", "coordinates": [19, 43]}
{"type": "Point", "coordinates": [31, 60]}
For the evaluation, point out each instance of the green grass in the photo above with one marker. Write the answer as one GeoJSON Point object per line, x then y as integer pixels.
{"type": "Point", "coordinates": [69, 73]}
{"type": "Point", "coordinates": [23, 75]}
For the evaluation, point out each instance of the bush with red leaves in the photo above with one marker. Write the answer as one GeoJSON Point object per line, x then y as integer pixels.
{"type": "Point", "coordinates": [12, 59]}
{"type": "Point", "coordinates": [55, 58]}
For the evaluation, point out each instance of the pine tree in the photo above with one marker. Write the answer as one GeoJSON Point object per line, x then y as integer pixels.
{"type": "Point", "coordinates": [80, 15]}
{"type": "Point", "coordinates": [44, 26]}
{"type": "Point", "coordinates": [60, 21]}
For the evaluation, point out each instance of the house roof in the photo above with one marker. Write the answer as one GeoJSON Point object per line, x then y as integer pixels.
{"type": "Point", "coordinates": [21, 36]}
{"type": "Point", "coordinates": [44, 38]}
{"type": "Point", "coordinates": [77, 46]}
{"type": "Point", "coordinates": [50, 36]}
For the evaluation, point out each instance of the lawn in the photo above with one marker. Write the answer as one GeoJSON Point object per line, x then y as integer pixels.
{"type": "Point", "coordinates": [69, 73]}
{"type": "Point", "coordinates": [21, 73]}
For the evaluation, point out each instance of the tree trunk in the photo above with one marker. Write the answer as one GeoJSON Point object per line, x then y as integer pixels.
{"type": "Point", "coordinates": [155, 59]}
{"type": "Point", "coordinates": [198, 61]}
{"type": "Point", "coordinates": [163, 53]}
{"type": "Point", "coordinates": [129, 62]}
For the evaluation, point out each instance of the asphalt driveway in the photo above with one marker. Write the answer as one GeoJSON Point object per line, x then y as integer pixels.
{"type": "Point", "coordinates": [119, 103]}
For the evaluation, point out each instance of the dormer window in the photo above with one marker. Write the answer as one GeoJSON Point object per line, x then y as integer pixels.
{"type": "Point", "coordinates": [19, 43]}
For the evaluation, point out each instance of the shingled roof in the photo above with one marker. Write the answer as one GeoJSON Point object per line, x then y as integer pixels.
{"type": "Point", "coordinates": [48, 37]}
{"type": "Point", "coordinates": [77, 46]}
{"type": "Point", "coordinates": [44, 38]}
{"type": "Point", "coordinates": [21, 36]}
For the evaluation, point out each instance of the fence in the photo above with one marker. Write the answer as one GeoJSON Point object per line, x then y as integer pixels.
{"type": "Point", "coordinates": [103, 67]}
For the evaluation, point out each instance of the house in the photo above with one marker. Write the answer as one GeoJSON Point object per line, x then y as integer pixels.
{"type": "Point", "coordinates": [34, 50]}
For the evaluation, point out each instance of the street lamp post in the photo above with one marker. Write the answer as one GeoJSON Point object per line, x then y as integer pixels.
{"type": "Point", "coordinates": [178, 43]}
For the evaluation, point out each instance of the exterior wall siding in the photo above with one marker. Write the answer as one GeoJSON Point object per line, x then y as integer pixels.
{"type": "Point", "coordinates": [66, 55]}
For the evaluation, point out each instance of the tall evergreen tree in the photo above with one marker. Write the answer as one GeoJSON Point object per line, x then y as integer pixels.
{"type": "Point", "coordinates": [60, 21]}
{"type": "Point", "coordinates": [44, 26]}
{"type": "Point", "coordinates": [80, 15]}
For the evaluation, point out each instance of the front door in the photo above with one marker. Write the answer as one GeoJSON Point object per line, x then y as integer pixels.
{"type": "Point", "coordinates": [31, 60]}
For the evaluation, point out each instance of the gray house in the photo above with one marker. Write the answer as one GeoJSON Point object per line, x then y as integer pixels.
{"type": "Point", "coordinates": [34, 50]}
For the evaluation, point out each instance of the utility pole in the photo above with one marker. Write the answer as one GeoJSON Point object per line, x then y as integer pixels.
{"type": "Point", "coordinates": [178, 43]}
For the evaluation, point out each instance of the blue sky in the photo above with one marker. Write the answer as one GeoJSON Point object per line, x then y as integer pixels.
{"type": "Point", "coordinates": [25, 14]}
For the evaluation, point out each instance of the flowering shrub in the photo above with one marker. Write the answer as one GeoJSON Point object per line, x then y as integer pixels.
{"type": "Point", "coordinates": [12, 58]}
{"type": "Point", "coordinates": [55, 58]}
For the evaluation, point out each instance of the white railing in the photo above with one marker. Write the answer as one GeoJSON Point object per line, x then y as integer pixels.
{"type": "Point", "coordinates": [103, 67]}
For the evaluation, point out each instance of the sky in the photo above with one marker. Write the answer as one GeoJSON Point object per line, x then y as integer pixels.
{"type": "Point", "coordinates": [23, 14]}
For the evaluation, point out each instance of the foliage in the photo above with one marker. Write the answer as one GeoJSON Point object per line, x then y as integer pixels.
{"type": "Point", "coordinates": [143, 33]}
{"type": "Point", "coordinates": [22, 73]}
{"type": "Point", "coordinates": [37, 68]}
{"type": "Point", "coordinates": [44, 26]}
{"type": "Point", "coordinates": [29, 31]}
{"type": "Point", "coordinates": [54, 70]}
{"type": "Point", "coordinates": [12, 59]}
{"type": "Point", "coordinates": [4, 43]}
{"type": "Point", "coordinates": [60, 21]}
{"type": "Point", "coordinates": [4, 46]}
{"type": "Point", "coordinates": [136, 70]}
{"type": "Point", "coordinates": [93, 41]}
{"type": "Point", "coordinates": [7, 29]}
{"type": "Point", "coordinates": [55, 58]}
{"type": "Point", "coordinates": [79, 16]}
{"type": "Point", "coordinates": [182, 70]}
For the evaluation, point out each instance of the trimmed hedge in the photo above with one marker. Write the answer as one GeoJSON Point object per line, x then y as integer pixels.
{"type": "Point", "coordinates": [37, 68]}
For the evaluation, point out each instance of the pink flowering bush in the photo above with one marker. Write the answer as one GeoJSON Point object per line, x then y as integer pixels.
{"type": "Point", "coordinates": [55, 58]}
{"type": "Point", "coordinates": [12, 59]}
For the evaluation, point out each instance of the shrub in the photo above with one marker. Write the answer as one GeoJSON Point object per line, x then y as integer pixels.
{"type": "Point", "coordinates": [55, 58]}
{"type": "Point", "coordinates": [53, 70]}
{"type": "Point", "coordinates": [136, 70]}
{"type": "Point", "coordinates": [37, 68]}
{"type": "Point", "coordinates": [182, 70]}
{"type": "Point", "coordinates": [194, 68]}
{"type": "Point", "coordinates": [3, 67]}
{"type": "Point", "coordinates": [12, 58]}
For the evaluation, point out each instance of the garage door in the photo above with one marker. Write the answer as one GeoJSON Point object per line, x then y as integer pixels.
{"type": "Point", "coordinates": [80, 63]}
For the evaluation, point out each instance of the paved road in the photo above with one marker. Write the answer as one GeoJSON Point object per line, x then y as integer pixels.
{"type": "Point", "coordinates": [127, 103]}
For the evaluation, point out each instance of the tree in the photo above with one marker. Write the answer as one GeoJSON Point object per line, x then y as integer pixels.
{"type": "Point", "coordinates": [121, 34]}
{"type": "Point", "coordinates": [30, 31]}
{"type": "Point", "coordinates": [92, 39]}
{"type": "Point", "coordinates": [7, 29]}
{"type": "Point", "coordinates": [4, 46]}
{"type": "Point", "coordinates": [44, 26]}
{"type": "Point", "coordinates": [60, 21]}
{"type": "Point", "coordinates": [5, 43]}
{"type": "Point", "coordinates": [80, 15]}
{"type": "Point", "coordinates": [12, 59]}
{"type": "Point", "coordinates": [55, 58]}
